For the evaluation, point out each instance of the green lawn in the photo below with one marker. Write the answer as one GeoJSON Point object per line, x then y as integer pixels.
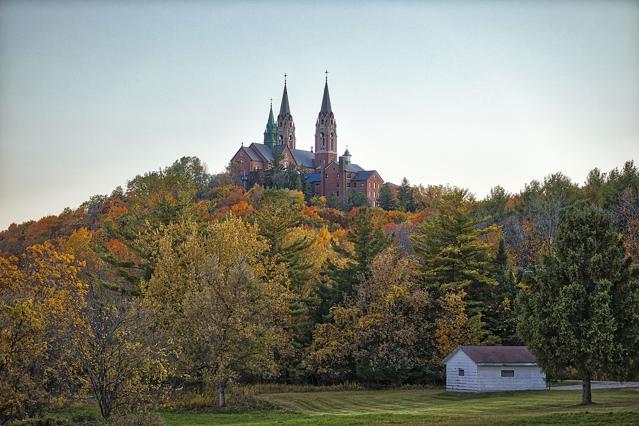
{"type": "Point", "coordinates": [432, 406]}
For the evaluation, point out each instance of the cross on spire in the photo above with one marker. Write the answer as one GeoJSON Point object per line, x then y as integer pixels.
{"type": "Point", "coordinates": [285, 75]}
{"type": "Point", "coordinates": [326, 76]}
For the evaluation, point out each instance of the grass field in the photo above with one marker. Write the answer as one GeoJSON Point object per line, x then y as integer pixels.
{"type": "Point", "coordinates": [432, 406]}
{"type": "Point", "coordinates": [423, 406]}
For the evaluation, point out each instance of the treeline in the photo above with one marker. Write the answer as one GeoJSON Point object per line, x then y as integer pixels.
{"type": "Point", "coordinates": [184, 282]}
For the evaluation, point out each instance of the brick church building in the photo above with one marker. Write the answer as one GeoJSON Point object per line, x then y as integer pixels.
{"type": "Point", "coordinates": [321, 169]}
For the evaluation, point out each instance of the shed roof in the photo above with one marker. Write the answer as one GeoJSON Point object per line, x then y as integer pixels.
{"type": "Point", "coordinates": [496, 354]}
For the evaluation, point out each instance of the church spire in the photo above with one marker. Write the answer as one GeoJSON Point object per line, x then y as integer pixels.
{"type": "Point", "coordinates": [326, 99]}
{"type": "Point", "coordinates": [270, 134]}
{"type": "Point", "coordinates": [325, 131]}
{"type": "Point", "coordinates": [284, 107]}
{"type": "Point", "coordinates": [285, 125]}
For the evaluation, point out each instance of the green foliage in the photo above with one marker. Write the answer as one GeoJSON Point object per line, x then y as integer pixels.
{"type": "Point", "coordinates": [452, 253]}
{"type": "Point", "coordinates": [316, 291]}
{"type": "Point", "coordinates": [406, 197]}
{"type": "Point", "coordinates": [214, 306]}
{"type": "Point", "coordinates": [354, 199]}
{"type": "Point", "coordinates": [368, 240]}
{"type": "Point", "coordinates": [387, 199]}
{"type": "Point", "coordinates": [581, 310]}
{"type": "Point", "coordinates": [276, 217]}
{"type": "Point", "coordinates": [500, 314]}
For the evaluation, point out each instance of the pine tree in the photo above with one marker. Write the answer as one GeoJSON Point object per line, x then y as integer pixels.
{"type": "Point", "coordinates": [387, 199]}
{"type": "Point", "coordinates": [368, 241]}
{"type": "Point", "coordinates": [275, 218]}
{"type": "Point", "coordinates": [406, 197]}
{"type": "Point", "coordinates": [581, 310]}
{"type": "Point", "coordinates": [500, 316]}
{"type": "Point", "coordinates": [452, 253]}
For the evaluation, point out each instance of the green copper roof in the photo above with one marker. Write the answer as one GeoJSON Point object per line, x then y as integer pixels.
{"type": "Point", "coordinates": [270, 134]}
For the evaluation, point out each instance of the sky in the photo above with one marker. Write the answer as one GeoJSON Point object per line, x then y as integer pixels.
{"type": "Point", "coordinates": [473, 94]}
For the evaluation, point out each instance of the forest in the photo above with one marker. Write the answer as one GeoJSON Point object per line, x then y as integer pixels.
{"type": "Point", "coordinates": [182, 287]}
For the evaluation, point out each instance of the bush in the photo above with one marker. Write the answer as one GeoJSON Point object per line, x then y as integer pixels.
{"type": "Point", "coordinates": [137, 419]}
{"type": "Point", "coordinates": [237, 397]}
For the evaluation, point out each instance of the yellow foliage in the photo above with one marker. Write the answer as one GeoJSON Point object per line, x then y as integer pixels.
{"type": "Point", "coordinates": [41, 300]}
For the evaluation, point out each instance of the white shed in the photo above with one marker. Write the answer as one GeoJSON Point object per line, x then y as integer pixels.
{"type": "Point", "coordinates": [492, 369]}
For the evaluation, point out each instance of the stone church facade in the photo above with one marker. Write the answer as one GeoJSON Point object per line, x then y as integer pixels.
{"type": "Point", "coordinates": [321, 169]}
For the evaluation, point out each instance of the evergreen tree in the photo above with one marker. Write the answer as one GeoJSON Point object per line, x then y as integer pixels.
{"type": "Point", "coordinates": [452, 253]}
{"type": "Point", "coordinates": [368, 241]}
{"type": "Point", "coordinates": [331, 201]}
{"type": "Point", "coordinates": [275, 218]}
{"type": "Point", "coordinates": [406, 197]}
{"type": "Point", "coordinates": [581, 309]}
{"type": "Point", "coordinates": [354, 198]}
{"type": "Point", "coordinates": [387, 199]}
{"type": "Point", "coordinates": [500, 316]}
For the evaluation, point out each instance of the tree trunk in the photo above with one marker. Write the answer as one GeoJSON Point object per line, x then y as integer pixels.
{"type": "Point", "coordinates": [201, 386]}
{"type": "Point", "coordinates": [221, 395]}
{"type": "Point", "coordinates": [586, 391]}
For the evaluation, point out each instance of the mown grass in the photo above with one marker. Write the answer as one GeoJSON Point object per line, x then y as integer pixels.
{"type": "Point", "coordinates": [417, 406]}
{"type": "Point", "coordinates": [430, 406]}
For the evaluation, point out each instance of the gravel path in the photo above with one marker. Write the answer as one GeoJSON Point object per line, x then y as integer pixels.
{"type": "Point", "coordinates": [599, 385]}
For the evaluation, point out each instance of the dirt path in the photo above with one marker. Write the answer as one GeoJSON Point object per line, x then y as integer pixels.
{"type": "Point", "coordinates": [599, 385]}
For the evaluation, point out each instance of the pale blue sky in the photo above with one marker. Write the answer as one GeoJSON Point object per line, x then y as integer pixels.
{"type": "Point", "coordinates": [468, 93]}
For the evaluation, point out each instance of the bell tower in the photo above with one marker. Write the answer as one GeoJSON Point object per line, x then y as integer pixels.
{"type": "Point", "coordinates": [285, 125]}
{"type": "Point", "coordinates": [325, 131]}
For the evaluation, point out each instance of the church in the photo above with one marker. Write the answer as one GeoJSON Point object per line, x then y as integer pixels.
{"type": "Point", "coordinates": [321, 170]}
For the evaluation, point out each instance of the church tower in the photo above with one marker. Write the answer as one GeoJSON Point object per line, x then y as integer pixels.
{"type": "Point", "coordinates": [285, 125]}
{"type": "Point", "coordinates": [270, 134]}
{"type": "Point", "coordinates": [325, 132]}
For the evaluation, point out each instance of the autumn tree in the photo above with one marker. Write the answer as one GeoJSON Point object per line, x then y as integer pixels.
{"type": "Point", "coordinates": [208, 296]}
{"type": "Point", "coordinates": [151, 201]}
{"type": "Point", "coordinates": [382, 334]}
{"type": "Point", "coordinates": [581, 310]}
{"type": "Point", "coordinates": [41, 298]}
{"type": "Point", "coordinates": [453, 327]}
{"type": "Point", "coordinates": [116, 357]}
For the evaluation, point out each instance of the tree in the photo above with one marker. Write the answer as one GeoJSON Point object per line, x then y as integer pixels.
{"type": "Point", "coordinates": [368, 240]}
{"type": "Point", "coordinates": [581, 309]}
{"type": "Point", "coordinates": [209, 298]}
{"type": "Point", "coordinates": [452, 325]}
{"type": "Point", "coordinates": [354, 198]}
{"type": "Point", "coordinates": [452, 253]}
{"type": "Point", "coordinates": [41, 298]}
{"type": "Point", "coordinates": [276, 217]}
{"type": "Point", "coordinates": [406, 197]}
{"type": "Point", "coordinates": [387, 199]}
{"type": "Point", "coordinates": [382, 334]}
{"type": "Point", "coordinates": [117, 362]}
{"type": "Point", "coordinates": [151, 201]}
